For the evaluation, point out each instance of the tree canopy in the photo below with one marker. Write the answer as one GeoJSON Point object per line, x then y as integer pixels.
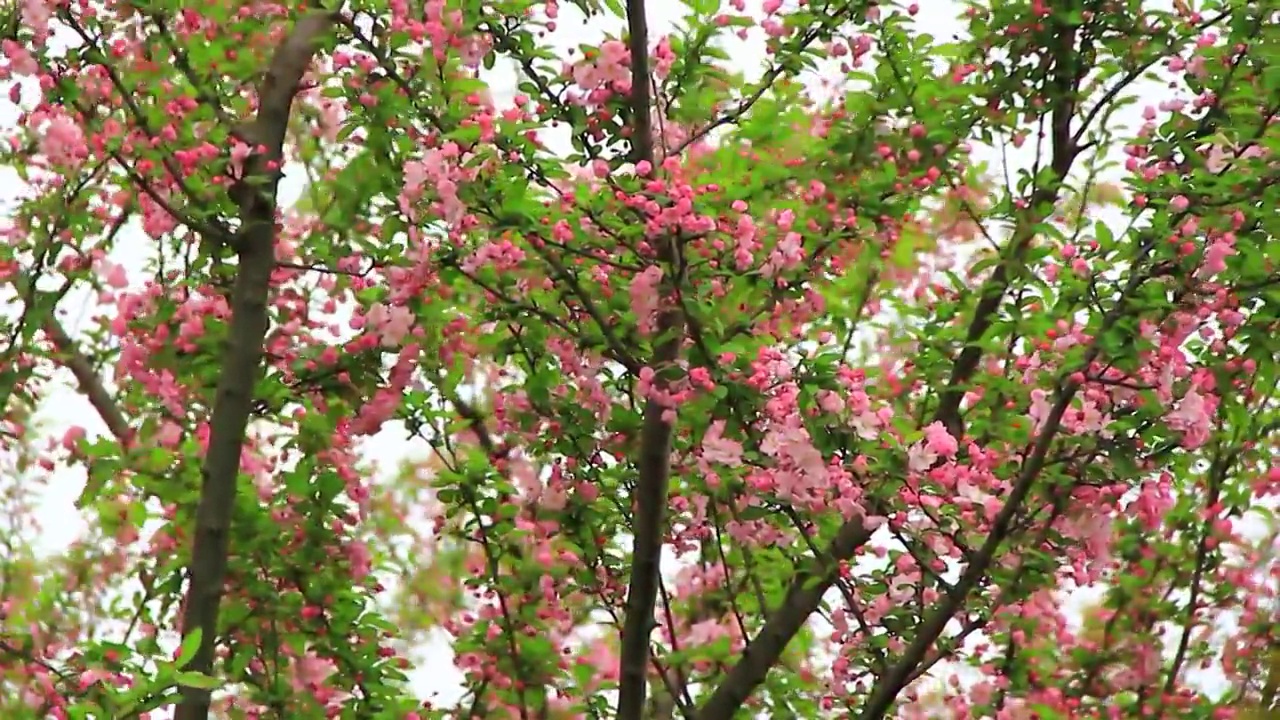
{"type": "Point", "coordinates": [821, 389]}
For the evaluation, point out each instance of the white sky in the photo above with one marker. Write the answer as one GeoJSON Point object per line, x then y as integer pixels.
{"type": "Point", "coordinates": [61, 522]}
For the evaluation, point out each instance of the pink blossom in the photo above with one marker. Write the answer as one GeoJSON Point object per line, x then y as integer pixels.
{"type": "Point", "coordinates": [36, 15]}
{"type": "Point", "coordinates": [1040, 408]}
{"type": "Point", "coordinates": [1215, 257]}
{"type": "Point", "coordinates": [600, 656]}
{"type": "Point", "coordinates": [72, 437]}
{"type": "Point", "coordinates": [940, 441]}
{"type": "Point", "coordinates": [937, 443]}
{"type": "Point", "coordinates": [791, 443]}
{"type": "Point", "coordinates": [310, 670]}
{"type": "Point", "coordinates": [920, 458]}
{"type": "Point", "coordinates": [391, 323]}
{"type": "Point", "coordinates": [705, 633]}
{"type": "Point", "coordinates": [360, 558]}
{"type": "Point", "coordinates": [644, 297]}
{"type": "Point", "coordinates": [610, 66]}
{"type": "Point", "coordinates": [21, 62]}
{"type": "Point", "coordinates": [786, 255]}
{"type": "Point", "coordinates": [717, 449]}
{"type": "Point", "coordinates": [61, 140]}
{"type": "Point", "coordinates": [113, 274]}
{"type": "Point", "coordinates": [1192, 417]}
{"type": "Point", "coordinates": [440, 169]}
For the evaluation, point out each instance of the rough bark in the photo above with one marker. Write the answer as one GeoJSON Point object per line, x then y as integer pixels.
{"type": "Point", "coordinates": [654, 462]}
{"type": "Point", "coordinates": [254, 244]}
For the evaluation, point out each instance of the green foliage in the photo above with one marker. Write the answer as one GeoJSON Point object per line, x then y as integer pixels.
{"type": "Point", "coordinates": [838, 275]}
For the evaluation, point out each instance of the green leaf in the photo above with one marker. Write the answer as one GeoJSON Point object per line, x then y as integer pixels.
{"type": "Point", "coordinates": [190, 644]}
{"type": "Point", "coordinates": [198, 680]}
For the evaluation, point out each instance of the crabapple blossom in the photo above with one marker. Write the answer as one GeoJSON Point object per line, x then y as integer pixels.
{"type": "Point", "coordinates": [902, 378]}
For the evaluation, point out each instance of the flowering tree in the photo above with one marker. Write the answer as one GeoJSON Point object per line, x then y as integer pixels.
{"type": "Point", "coordinates": [760, 400]}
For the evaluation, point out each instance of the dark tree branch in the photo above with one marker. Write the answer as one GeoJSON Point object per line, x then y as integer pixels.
{"type": "Point", "coordinates": [90, 384]}
{"type": "Point", "coordinates": [654, 462]}
{"type": "Point", "coordinates": [889, 685]}
{"type": "Point", "coordinates": [1065, 149]}
{"type": "Point", "coordinates": [1218, 471]}
{"type": "Point", "coordinates": [242, 361]}
{"type": "Point", "coordinates": [68, 355]}
{"type": "Point", "coordinates": [802, 600]}
{"type": "Point", "coordinates": [807, 589]}
{"type": "Point", "coordinates": [994, 289]}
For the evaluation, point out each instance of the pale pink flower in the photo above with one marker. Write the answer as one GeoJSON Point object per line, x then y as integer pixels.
{"type": "Point", "coordinates": [310, 670]}
{"type": "Point", "coordinates": [1192, 417]}
{"type": "Point", "coordinates": [937, 443]}
{"type": "Point", "coordinates": [36, 15]}
{"type": "Point", "coordinates": [391, 323]}
{"type": "Point", "coordinates": [360, 558]}
{"type": "Point", "coordinates": [604, 660]}
{"type": "Point", "coordinates": [21, 62]}
{"type": "Point", "coordinates": [717, 449]}
{"type": "Point", "coordinates": [940, 441]}
{"type": "Point", "coordinates": [644, 297]}
{"type": "Point", "coordinates": [791, 442]}
{"type": "Point", "coordinates": [704, 633]}
{"type": "Point", "coordinates": [1040, 408]}
{"type": "Point", "coordinates": [610, 66]}
{"type": "Point", "coordinates": [920, 458]}
{"type": "Point", "coordinates": [61, 140]}
{"type": "Point", "coordinates": [1215, 258]}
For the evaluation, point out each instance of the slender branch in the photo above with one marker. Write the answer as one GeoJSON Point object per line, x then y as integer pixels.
{"type": "Point", "coordinates": [616, 351]}
{"type": "Point", "coordinates": [90, 384]}
{"type": "Point", "coordinates": [993, 290]}
{"type": "Point", "coordinates": [242, 361]}
{"type": "Point", "coordinates": [889, 685]}
{"type": "Point", "coordinates": [1217, 475]}
{"type": "Point", "coordinates": [807, 590]}
{"type": "Point", "coordinates": [931, 628]}
{"type": "Point", "coordinates": [139, 116]}
{"type": "Point", "coordinates": [68, 354]}
{"type": "Point", "coordinates": [654, 462]}
{"type": "Point", "coordinates": [1218, 471]}
{"type": "Point", "coordinates": [978, 623]}
{"type": "Point", "coordinates": [798, 45]}
{"type": "Point", "coordinates": [802, 600]}
{"type": "Point", "coordinates": [886, 690]}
